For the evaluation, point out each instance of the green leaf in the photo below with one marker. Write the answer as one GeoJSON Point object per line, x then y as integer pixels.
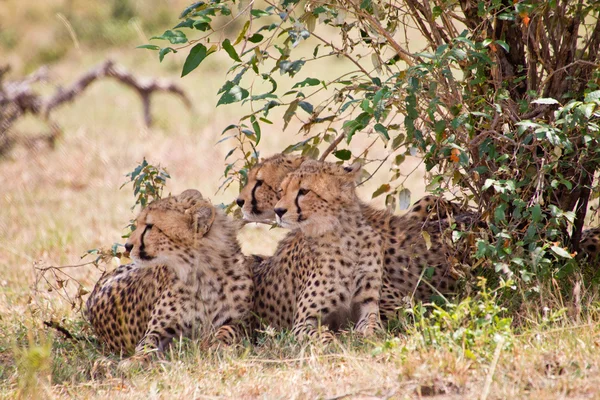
{"type": "Point", "coordinates": [398, 141]}
{"type": "Point", "coordinates": [232, 126]}
{"type": "Point", "coordinates": [256, 38]}
{"type": "Point", "coordinates": [148, 46]}
{"type": "Point", "coordinates": [188, 23]}
{"type": "Point", "coordinates": [352, 126]}
{"type": "Point", "coordinates": [559, 251]}
{"type": "Point", "coordinates": [256, 127]}
{"type": "Point", "coordinates": [486, 42]}
{"type": "Point", "coordinates": [547, 100]}
{"type": "Point", "coordinates": [381, 189]}
{"type": "Point", "coordinates": [536, 213]}
{"type": "Point", "coordinates": [503, 44]}
{"type": "Point", "coordinates": [290, 67]}
{"type": "Point", "coordinates": [230, 50]}
{"type": "Point", "coordinates": [173, 36]}
{"type": "Point", "coordinates": [259, 13]}
{"type": "Point", "coordinates": [307, 82]}
{"type": "Point", "coordinates": [165, 51]}
{"type": "Point", "coordinates": [587, 109]}
{"type": "Point", "coordinates": [306, 106]}
{"type": "Point", "coordinates": [506, 16]}
{"type": "Point", "coordinates": [382, 132]}
{"type": "Point", "coordinates": [190, 8]}
{"type": "Point", "coordinates": [592, 96]}
{"type": "Point", "coordinates": [343, 154]}
{"type": "Point", "coordinates": [289, 113]}
{"type": "Point", "coordinates": [242, 33]}
{"type": "Point", "coordinates": [404, 199]}
{"type": "Point", "coordinates": [196, 56]}
{"type": "Point", "coordinates": [232, 93]}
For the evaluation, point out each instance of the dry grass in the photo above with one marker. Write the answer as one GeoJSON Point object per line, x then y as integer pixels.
{"type": "Point", "coordinates": [56, 204]}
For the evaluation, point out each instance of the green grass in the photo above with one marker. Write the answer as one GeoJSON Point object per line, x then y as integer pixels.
{"type": "Point", "coordinates": [554, 363]}
{"type": "Point", "coordinates": [56, 204]}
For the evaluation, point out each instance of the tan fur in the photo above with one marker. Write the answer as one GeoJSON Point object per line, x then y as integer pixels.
{"type": "Point", "coordinates": [406, 254]}
{"type": "Point", "coordinates": [327, 271]}
{"type": "Point", "coordinates": [189, 278]}
{"type": "Point", "coordinates": [261, 192]}
{"type": "Point", "coordinates": [590, 244]}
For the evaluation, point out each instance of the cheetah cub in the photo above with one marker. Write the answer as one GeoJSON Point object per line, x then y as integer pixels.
{"type": "Point", "coordinates": [408, 260]}
{"type": "Point", "coordinates": [328, 270]}
{"type": "Point", "coordinates": [188, 278]}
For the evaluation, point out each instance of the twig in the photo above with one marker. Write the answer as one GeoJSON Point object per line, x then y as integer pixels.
{"type": "Point", "coordinates": [62, 329]}
{"type": "Point", "coordinates": [332, 146]}
{"type": "Point", "coordinates": [403, 54]}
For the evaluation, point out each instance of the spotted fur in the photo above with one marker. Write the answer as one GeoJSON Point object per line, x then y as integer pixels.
{"type": "Point", "coordinates": [411, 270]}
{"type": "Point", "coordinates": [590, 244]}
{"type": "Point", "coordinates": [327, 271]}
{"type": "Point", "coordinates": [189, 278]}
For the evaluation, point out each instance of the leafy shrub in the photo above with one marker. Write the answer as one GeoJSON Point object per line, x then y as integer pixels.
{"type": "Point", "coordinates": [473, 327]}
{"type": "Point", "coordinates": [502, 104]}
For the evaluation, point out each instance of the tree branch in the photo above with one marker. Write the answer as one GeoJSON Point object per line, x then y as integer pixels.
{"type": "Point", "coordinates": [144, 87]}
{"type": "Point", "coordinates": [332, 146]}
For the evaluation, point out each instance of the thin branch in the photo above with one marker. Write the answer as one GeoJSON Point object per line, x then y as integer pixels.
{"type": "Point", "coordinates": [332, 146]}
{"type": "Point", "coordinates": [61, 329]}
{"type": "Point", "coordinates": [403, 54]}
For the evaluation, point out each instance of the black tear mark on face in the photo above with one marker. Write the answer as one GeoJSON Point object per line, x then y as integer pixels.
{"type": "Point", "coordinates": [254, 202]}
{"type": "Point", "coordinates": [298, 209]}
{"type": "Point", "coordinates": [143, 254]}
{"type": "Point", "coordinates": [301, 192]}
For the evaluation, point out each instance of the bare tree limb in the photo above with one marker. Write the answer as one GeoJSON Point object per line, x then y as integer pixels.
{"type": "Point", "coordinates": [18, 98]}
{"type": "Point", "coordinates": [144, 87]}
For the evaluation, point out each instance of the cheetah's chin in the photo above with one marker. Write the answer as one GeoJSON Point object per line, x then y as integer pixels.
{"type": "Point", "coordinates": [285, 223]}
{"type": "Point", "coordinates": [254, 217]}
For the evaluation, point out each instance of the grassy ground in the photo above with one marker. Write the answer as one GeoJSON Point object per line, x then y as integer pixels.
{"type": "Point", "coordinates": [56, 204]}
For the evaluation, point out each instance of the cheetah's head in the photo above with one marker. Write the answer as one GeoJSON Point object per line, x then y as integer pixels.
{"type": "Point", "coordinates": [258, 198]}
{"type": "Point", "coordinates": [168, 230]}
{"type": "Point", "coordinates": [316, 197]}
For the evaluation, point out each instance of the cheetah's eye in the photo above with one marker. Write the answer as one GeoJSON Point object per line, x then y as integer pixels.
{"type": "Point", "coordinates": [149, 226]}
{"type": "Point", "coordinates": [259, 182]}
{"type": "Point", "coordinates": [303, 192]}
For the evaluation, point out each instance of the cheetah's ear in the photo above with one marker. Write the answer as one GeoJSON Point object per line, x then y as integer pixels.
{"type": "Point", "coordinates": [203, 216]}
{"type": "Point", "coordinates": [188, 199]}
{"type": "Point", "coordinates": [297, 161]}
{"type": "Point", "coordinates": [191, 194]}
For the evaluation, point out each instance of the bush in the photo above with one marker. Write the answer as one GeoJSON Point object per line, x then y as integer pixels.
{"type": "Point", "coordinates": [502, 104]}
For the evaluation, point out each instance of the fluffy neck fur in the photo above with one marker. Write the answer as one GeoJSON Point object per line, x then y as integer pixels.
{"type": "Point", "coordinates": [345, 220]}
{"type": "Point", "coordinates": [221, 239]}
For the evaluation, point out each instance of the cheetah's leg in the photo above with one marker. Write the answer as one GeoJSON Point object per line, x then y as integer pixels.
{"type": "Point", "coordinates": [320, 301]}
{"type": "Point", "coordinates": [165, 323]}
{"type": "Point", "coordinates": [309, 329]}
{"type": "Point", "coordinates": [368, 280]}
{"type": "Point", "coordinates": [229, 334]}
{"type": "Point", "coordinates": [365, 303]}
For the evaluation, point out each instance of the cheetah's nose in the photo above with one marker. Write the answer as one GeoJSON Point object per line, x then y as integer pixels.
{"type": "Point", "coordinates": [280, 212]}
{"type": "Point", "coordinates": [128, 247]}
{"type": "Point", "coordinates": [240, 202]}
